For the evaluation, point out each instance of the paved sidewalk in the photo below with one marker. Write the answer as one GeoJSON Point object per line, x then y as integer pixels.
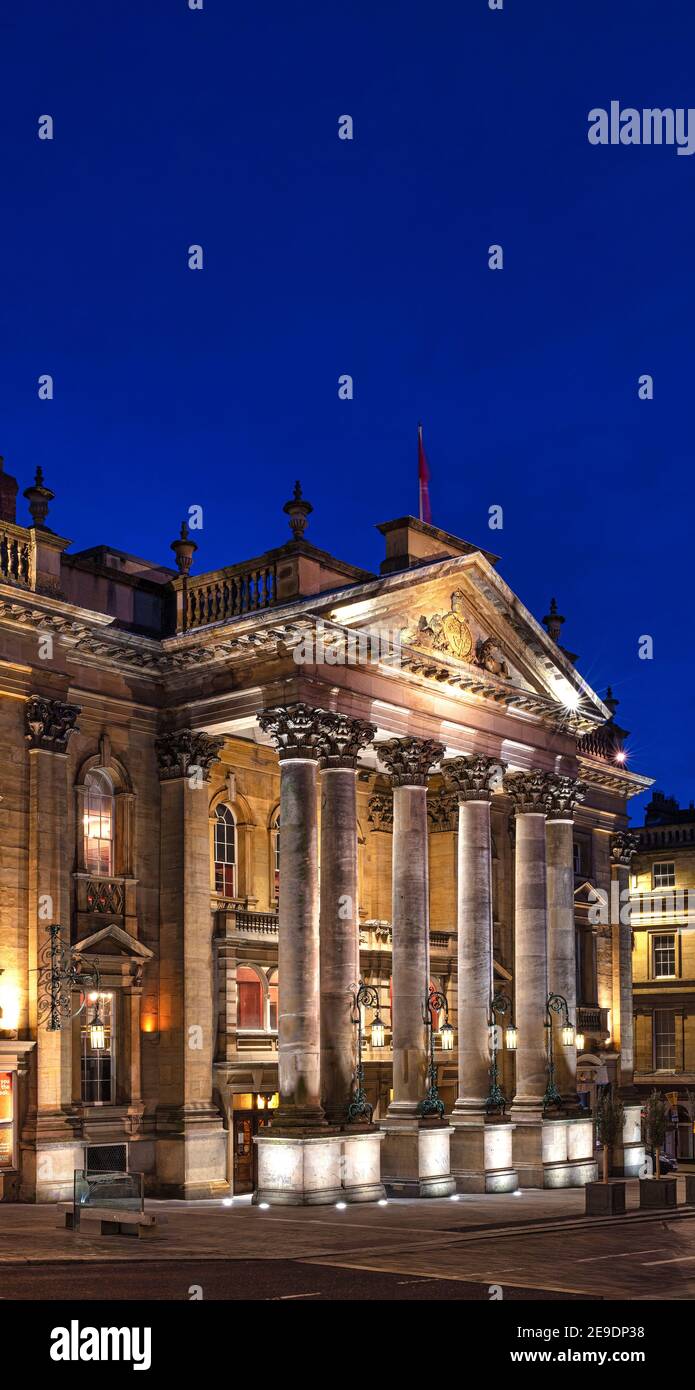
{"type": "Point", "coordinates": [536, 1240]}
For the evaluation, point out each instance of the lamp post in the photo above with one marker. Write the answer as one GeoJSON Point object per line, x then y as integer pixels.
{"type": "Point", "coordinates": [364, 996]}
{"type": "Point", "coordinates": [556, 1003]}
{"type": "Point", "coordinates": [500, 1003]}
{"type": "Point", "coordinates": [435, 1001]}
{"type": "Point", "coordinates": [61, 973]}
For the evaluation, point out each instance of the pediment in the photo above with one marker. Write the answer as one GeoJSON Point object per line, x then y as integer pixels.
{"type": "Point", "coordinates": [461, 613]}
{"type": "Point", "coordinates": [113, 941]}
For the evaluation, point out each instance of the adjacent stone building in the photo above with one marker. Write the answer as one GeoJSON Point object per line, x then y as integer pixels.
{"type": "Point", "coordinates": [663, 917]}
{"type": "Point", "coordinates": [239, 794]}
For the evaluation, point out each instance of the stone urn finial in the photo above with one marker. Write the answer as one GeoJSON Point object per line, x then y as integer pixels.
{"type": "Point", "coordinates": [553, 621]}
{"type": "Point", "coordinates": [610, 701]}
{"type": "Point", "coordinates": [298, 510]}
{"type": "Point", "coordinates": [184, 550]}
{"type": "Point", "coordinates": [38, 496]}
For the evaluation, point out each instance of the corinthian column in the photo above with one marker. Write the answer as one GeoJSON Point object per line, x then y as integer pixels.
{"type": "Point", "coordinates": [410, 760]}
{"type": "Point", "coordinates": [296, 732]}
{"type": "Point", "coordinates": [564, 793]}
{"type": "Point", "coordinates": [529, 791]}
{"type": "Point", "coordinates": [341, 741]}
{"type": "Point", "coordinates": [474, 779]}
{"type": "Point", "coordinates": [623, 847]}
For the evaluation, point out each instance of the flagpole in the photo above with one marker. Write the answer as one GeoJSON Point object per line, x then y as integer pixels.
{"type": "Point", "coordinates": [419, 479]}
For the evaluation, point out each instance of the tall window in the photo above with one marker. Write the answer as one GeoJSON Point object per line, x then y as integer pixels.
{"type": "Point", "coordinates": [664, 1040]}
{"type": "Point", "coordinates": [98, 823]}
{"type": "Point", "coordinates": [664, 875]}
{"type": "Point", "coordinates": [225, 851]}
{"type": "Point", "coordinates": [99, 1065]}
{"type": "Point", "coordinates": [250, 1002]}
{"type": "Point", "coordinates": [663, 956]}
{"type": "Point", "coordinates": [275, 850]}
{"type": "Point", "coordinates": [273, 1000]}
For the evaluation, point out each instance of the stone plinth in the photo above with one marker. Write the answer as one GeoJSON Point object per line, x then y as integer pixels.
{"type": "Point", "coordinates": [416, 1159]}
{"type": "Point", "coordinates": [482, 1155]}
{"type": "Point", "coordinates": [554, 1151]}
{"type": "Point", "coordinates": [320, 1169]}
{"type": "Point", "coordinates": [628, 1158]}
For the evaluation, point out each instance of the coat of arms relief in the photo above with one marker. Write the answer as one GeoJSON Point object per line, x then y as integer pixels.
{"type": "Point", "coordinates": [450, 634]}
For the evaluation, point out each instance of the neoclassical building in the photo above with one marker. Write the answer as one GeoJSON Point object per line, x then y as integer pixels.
{"type": "Point", "coordinates": [240, 795]}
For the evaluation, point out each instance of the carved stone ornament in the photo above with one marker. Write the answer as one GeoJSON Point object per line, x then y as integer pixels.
{"type": "Point", "coordinates": [410, 760]}
{"type": "Point", "coordinates": [623, 846]}
{"type": "Point", "coordinates": [342, 739]}
{"type": "Point", "coordinates": [445, 632]}
{"type": "Point", "coordinates": [489, 657]}
{"type": "Point", "coordinates": [49, 723]}
{"type": "Point", "coordinates": [530, 791]}
{"type": "Point", "coordinates": [441, 811]}
{"type": "Point", "coordinates": [563, 795]}
{"type": "Point", "coordinates": [296, 730]}
{"type": "Point", "coordinates": [380, 811]}
{"type": "Point", "coordinates": [181, 751]}
{"type": "Point", "coordinates": [474, 778]}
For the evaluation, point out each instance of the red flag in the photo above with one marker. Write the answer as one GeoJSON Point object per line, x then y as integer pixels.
{"type": "Point", "coordinates": [423, 473]}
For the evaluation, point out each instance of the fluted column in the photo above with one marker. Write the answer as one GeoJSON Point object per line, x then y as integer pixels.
{"type": "Point", "coordinates": [341, 741]}
{"type": "Point", "coordinates": [529, 792]}
{"type": "Point", "coordinates": [409, 760]}
{"type": "Point", "coordinates": [623, 847]}
{"type": "Point", "coordinates": [474, 779]}
{"type": "Point", "coordinates": [564, 793]}
{"type": "Point", "coordinates": [296, 732]}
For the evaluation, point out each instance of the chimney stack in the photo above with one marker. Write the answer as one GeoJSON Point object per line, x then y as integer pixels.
{"type": "Point", "coordinates": [9, 488]}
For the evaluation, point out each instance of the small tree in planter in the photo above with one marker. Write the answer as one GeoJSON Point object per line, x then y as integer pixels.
{"type": "Point", "coordinates": [610, 1113]}
{"type": "Point", "coordinates": [656, 1117]}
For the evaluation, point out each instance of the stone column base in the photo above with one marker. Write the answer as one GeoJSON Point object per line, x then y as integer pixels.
{"type": "Point", "coordinates": [191, 1154]}
{"type": "Point", "coordinates": [416, 1158]}
{"type": "Point", "coordinates": [317, 1170]}
{"type": "Point", "coordinates": [48, 1169]}
{"type": "Point", "coordinates": [481, 1155]}
{"type": "Point", "coordinates": [628, 1157]}
{"type": "Point", "coordinates": [554, 1151]}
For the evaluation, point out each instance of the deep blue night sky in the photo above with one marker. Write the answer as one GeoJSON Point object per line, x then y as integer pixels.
{"type": "Point", "coordinates": [369, 257]}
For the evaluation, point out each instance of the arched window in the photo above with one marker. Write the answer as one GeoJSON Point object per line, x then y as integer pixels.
{"type": "Point", "coordinates": [98, 823]}
{"type": "Point", "coordinates": [225, 851]}
{"type": "Point", "coordinates": [273, 1000]}
{"type": "Point", "coordinates": [250, 1001]}
{"type": "Point", "coordinates": [275, 856]}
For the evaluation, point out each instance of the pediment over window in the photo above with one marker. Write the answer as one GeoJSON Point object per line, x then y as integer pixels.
{"type": "Point", "coordinates": [114, 941]}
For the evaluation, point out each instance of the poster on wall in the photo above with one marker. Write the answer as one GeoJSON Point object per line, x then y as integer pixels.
{"type": "Point", "coordinates": [6, 1118]}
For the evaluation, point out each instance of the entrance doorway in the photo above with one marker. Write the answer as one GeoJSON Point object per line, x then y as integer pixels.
{"type": "Point", "coordinates": [253, 1114]}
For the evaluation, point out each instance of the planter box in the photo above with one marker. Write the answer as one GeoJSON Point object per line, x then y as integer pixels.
{"type": "Point", "coordinates": [605, 1198]}
{"type": "Point", "coordinates": [690, 1189]}
{"type": "Point", "coordinates": [657, 1192]}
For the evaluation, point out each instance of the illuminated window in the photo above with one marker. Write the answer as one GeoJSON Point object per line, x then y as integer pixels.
{"type": "Point", "coordinates": [98, 823]}
{"type": "Point", "coordinates": [663, 956]}
{"type": "Point", "coordinates": [273, 1000]}
{"type": "Point", "coordinates": [664, 875]}
{"type": "Point", "coordinates": [275, 848]}
{"type": "Point", "coordinates": [225, 851]}
{"type": "Point", "coordinates": [250, 1002]}
{"type": "Point", "coordinates": [98, 1064]}
{"type": "Point", "coordinates": [664, 1040]}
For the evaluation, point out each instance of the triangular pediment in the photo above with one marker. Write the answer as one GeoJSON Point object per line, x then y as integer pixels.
{"type": "Point", "coordinates": [460, 613]}
{"type": "Point", "coordinates": [113, 941]}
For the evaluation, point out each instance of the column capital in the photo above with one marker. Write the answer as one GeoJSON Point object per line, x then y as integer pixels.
{"type": "Point", "coordinates": [49, 723]}
{"type": "Point", "coordinates": [623, 846]}
{"type": "Point", "coordinates": [410, 760]}
{"type": "Point", "coordinates": [180, 751]}
{"type": "Point", "coordinates": [380, 811]}
{"type": "Point", "coordinates": [473, 778]}
{"type": "Point", "coordinates": [530, 791]}
{"type": "Point", "coordinates": [295, 730]}
{"type": "Point", "coordinates": [342, 739]}
{"type": "Point", "coordinates": [563, 795]}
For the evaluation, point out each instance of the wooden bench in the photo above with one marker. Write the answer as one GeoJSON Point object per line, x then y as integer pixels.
{"type": "Point", "coordinates": [105, 1221]}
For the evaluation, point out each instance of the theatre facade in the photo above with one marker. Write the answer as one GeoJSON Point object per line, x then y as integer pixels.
{"type": "Point", "coordinates": [331, 854]}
